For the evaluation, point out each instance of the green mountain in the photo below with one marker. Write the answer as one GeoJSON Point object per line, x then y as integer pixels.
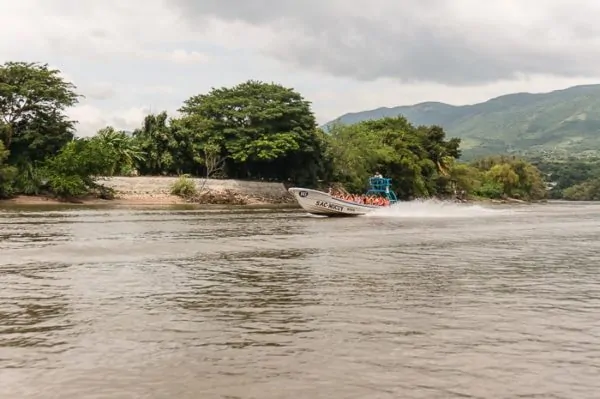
{"type": "Point", "coordinates": [562, 122]}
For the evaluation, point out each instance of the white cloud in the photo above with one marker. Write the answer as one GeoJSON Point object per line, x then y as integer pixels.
{"type": "Point", "coordinates": [91, 119]}
{"type": "Point", "coordinates": [99, 91]}
{"type": "Point", "coordinates": [178, 56]}
{"type": "Point", "coordinates": [131, 57]}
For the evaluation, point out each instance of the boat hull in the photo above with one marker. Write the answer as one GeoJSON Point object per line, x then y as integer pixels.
{"type": "Point", "coordinates": [320, 203]}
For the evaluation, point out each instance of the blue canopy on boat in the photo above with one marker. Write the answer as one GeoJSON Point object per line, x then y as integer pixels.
{"type": "Point", "coordinates": [382, 186]}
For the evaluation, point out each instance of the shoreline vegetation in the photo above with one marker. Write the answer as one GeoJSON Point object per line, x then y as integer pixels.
{"type": "Point", "coordinates": [230, 199]}
{"type": "Point", "coordinates": [145, 191]}
{"type": "Point", "coordinates": [241, 145]}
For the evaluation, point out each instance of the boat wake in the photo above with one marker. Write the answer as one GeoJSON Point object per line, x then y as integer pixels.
{"type": "Point", "coordinates": [436, 209]}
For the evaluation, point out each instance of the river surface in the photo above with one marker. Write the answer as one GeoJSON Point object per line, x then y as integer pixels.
{"type": "Point", "coordinates": [426, 301]}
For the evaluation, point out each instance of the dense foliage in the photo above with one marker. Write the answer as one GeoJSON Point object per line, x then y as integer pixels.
{"type": "Point", "coordinates": [254, 130]}
{"type": "Point", "coordinates": [423, 163]}
{"type": "Point", "coordinates": [33, 99]}
{"type": "Point", "coordinates": [416, 158]}
{"type": "Point", "coordinates": [572, 179]}
{"type": "Point", "coordinates": [586, 191]}
{"type": "Point", "coordinates": [7, 173]}
{"type": "Point", "coordinates": [509, 176]}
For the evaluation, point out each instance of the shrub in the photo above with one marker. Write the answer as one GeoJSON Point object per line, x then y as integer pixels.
{"type": "Point", "coordinates": [184, 187]}
{"type": "Point", "coordinates": [490, 189]}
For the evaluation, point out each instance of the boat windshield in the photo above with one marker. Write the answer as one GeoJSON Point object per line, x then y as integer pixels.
{"type": "Point", "coordinates": [382, 186]}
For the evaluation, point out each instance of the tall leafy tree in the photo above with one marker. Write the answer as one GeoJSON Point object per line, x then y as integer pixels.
{"type": "Point", "coordinates": [264, 130]}
{"type": "Point", "coordinates": [155, 140]}
{"type": "Point", "coordinates": [124, 151]}
{"type": "Point", "coordinates": [413, 157]}
{"type": "Point", "coordinates": [199, 151]}
{"type": "Point", "coordinates": [33, 100]}
{"type": "Point", "coordinates": [7, 173]}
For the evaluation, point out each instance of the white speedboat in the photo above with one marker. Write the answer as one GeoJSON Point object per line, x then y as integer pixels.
{"type": "Point", "coordinates": [321, 203]}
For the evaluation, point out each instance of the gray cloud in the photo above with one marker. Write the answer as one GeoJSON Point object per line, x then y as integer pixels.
{"type": "Point", "coordinates": [99, 91]}
{"type": "Point", "coordinates": [455, 42]}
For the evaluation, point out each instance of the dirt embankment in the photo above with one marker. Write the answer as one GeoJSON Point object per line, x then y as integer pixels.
{"type": "Point", "coordinates": [144, 190]}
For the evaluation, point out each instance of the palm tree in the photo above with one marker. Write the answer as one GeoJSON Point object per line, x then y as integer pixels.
{"type": "Point", "coordinates": [126, 152]}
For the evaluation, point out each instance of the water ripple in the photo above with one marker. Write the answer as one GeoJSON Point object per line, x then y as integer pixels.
{"type": "Point", "coordinates": [238, 303]}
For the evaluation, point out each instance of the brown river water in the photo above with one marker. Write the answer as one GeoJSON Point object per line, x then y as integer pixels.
{"type": "Point", "coordinates": [425, 301]}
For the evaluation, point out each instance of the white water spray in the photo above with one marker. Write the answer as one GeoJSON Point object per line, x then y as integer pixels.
{"type": "Point", "coordinates": [437, 209]}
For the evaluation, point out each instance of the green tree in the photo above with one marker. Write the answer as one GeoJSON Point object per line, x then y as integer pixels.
{"type": "Point", "coordinates": [505, 176]}
{"type": "Point", "coordinates": [155, 140]}
{"type": "Point", "coordinates": [124, 151]}
{"type": "Point", "coordinates": [197, 151]}
{"type": "Point", "coordinates": [417, 159]}
{"type": "Point", "coordinates": [586, 191]}
{"type": "Point", "coordinates": [510, 176]}
{"type": "Point", "coordinates": [74, 170]}
{"type": "Point", "coordinates": [264, 130]}
{"type": "Point", "coordinates": [33, 100]}
{"type": "Point", "coordinates": [7, 173]}
{"type": "Point", "coordinates": [568, 173]}
{"type": "Point", "coordinates": [464, 178]}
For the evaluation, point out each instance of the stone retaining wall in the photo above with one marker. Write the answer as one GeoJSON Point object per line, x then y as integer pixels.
{"type": "Point", "coordinates": [145, 185]}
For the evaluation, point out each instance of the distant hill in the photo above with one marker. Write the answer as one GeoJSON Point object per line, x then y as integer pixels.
{"type": "Point", "coordinates": [563, 122]}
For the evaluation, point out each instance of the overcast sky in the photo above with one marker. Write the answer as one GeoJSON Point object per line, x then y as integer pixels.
{"type": "Point", "coordinates": [131, 57]}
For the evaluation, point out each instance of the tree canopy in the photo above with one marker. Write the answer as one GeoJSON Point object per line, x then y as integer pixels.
{"type": "Point", "coordinates": [509, 176]}
{"type": "Point", "coordinates": [261, 130]}
{"type": "Point", "coordinates": [416, 158]}
{"type": "Point", "coordinates": [33, 100]}
{"type": "Point", "coordinates": [7, 173]}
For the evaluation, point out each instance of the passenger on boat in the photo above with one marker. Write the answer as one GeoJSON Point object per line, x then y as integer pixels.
{"type": "Point", "coordinates": [364, 199]}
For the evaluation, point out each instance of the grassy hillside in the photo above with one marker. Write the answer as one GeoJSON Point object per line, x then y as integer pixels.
{"type": "Point", "coordinates": [563, 122]}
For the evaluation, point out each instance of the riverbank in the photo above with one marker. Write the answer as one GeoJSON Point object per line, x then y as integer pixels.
{"type": "Point", "coordinates": [146, 190]}
{"type": "Point", "coordinates": [153, 190]}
